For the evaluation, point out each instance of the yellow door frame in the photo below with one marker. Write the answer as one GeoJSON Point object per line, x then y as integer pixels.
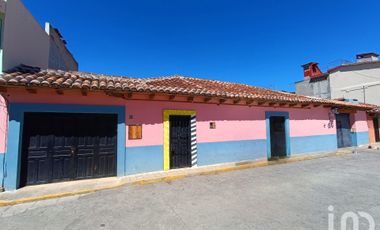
{"type": "Point", "coordinates": [168, 113]}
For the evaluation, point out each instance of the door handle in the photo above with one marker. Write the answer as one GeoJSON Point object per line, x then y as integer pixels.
{"type": "Point", "coordinates": [72, 151]}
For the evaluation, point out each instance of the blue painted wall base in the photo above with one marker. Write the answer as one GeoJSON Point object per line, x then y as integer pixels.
{"type": "Point", "coordinates": [144, 159]}
{"type": "Point", "coordinates": [360, 138]}
{"type": "Point", "coordinates": [2, 168]}
{"type": "Point", "coordinates": [231, 151]}
{"type": "Point", "coordinates": [313, 144]}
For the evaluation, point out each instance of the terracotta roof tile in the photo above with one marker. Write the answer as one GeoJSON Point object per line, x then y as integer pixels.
{"type": "Point", "coordinates": [24, 76]}
{"type": "Point", "coordinates": [375, 109]}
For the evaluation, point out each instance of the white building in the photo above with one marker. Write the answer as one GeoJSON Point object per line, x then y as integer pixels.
{"type": "Point", "coordinates": [24, 41]}
{"type": "Point", "coordinates": [355, 81]}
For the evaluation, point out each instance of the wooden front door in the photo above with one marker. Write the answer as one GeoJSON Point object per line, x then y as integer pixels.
{"type": "Point", "coordinates": [343, 130]}
{"type": "Point", "coordinates": [376, 128]}
{"type": "Point", "coordinates": [63, 146]}
{"type": "Point", "coordinates": [277, 136]}
{"type": "Point", "coordinates": [180, 141]}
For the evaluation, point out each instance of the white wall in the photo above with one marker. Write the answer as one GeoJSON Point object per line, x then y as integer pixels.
{"type": "Point", "coordinates": [349, 81]}
{"type": "Point", "coordinates": [25, 42]}
{"type": "Point", "coordinates": [59, 56]}
{"type": "Point", "coordinates": [315, 88]}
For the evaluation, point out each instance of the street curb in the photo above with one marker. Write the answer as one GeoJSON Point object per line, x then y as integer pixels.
{"type": "Point", "coordinates": [176, 175]}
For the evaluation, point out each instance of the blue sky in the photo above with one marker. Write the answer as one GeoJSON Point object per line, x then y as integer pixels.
{"type": "Point", "coordinates": [261, 43]}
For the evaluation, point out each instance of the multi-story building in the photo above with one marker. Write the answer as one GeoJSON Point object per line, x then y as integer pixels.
{"type": "Point", "coordinates": [24, 41]}
{"type": "Point", "coordinates": [354, 82]}
{"type": "Point", "coordinates": [358, 81]}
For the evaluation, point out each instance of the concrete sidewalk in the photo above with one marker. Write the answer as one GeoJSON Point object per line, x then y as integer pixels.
{"type": "Point", "coordinates": [375, 146]}
{"type": "Point", "coordinates": [56, 190]}
{"type": "Point", "coordinates": [292, 196]}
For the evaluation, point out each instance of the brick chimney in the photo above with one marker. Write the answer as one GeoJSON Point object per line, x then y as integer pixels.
{"type": "Point", "coordinates": [311, 70]}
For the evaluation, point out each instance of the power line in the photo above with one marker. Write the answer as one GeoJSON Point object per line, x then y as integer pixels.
{"type": "Point", "coordinates": [365, 75]}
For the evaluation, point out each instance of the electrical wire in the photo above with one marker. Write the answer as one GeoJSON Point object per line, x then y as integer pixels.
{"type": "Point", "coordinates": [365, 75]}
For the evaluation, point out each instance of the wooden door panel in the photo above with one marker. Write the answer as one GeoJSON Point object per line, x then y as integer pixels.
{"type": "Point", "coordinates": [107, 147]}
{"type": "Point", "coordinates": [376, 128]}
{"type": "Point", "coordinates": [36, 164]}
{"type": "Point", "coordinates": [62, 169]}
{"type": "Point", "coordinates": [278, 136]}
{"type": "Point", "coordinates": [343, 130]}
{"type": "Point", "coordinates": [85, 167]}
{"type": "Point", "coordinates": [38, 171]}
{"type": "Point", "coordinates": [62, 146]}
{"type": "Point", "coordinates": [106, 165]}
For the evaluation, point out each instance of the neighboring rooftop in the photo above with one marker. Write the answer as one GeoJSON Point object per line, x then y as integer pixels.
{"type": "Point", "coordinates": [376, 109]}
{"type": "Point", "coordinates": [311, 69]}
{"type": "Point", "coordinates": [361, 59]}
{"type": "Point", "coordinates": [371, 56]}
{"type": "Point", "coordinates": [26, 76]}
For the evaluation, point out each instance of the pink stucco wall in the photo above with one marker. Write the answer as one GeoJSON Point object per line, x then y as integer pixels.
{"type": "Point", "coordinates": [233, 123]}
{"type": "Point", "coordinates": [309, 122]}
{"type": "Point", "coordinates": [359, 121]}
{"type": "Point", "coordinates": [3, 124]}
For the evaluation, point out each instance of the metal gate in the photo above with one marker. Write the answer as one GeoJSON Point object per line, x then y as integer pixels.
{"type": "Point", "coordinates": [180, 141]}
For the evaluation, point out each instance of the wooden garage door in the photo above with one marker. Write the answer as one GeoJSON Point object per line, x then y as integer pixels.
{"type": "Point", "coordinates": [63, 146]}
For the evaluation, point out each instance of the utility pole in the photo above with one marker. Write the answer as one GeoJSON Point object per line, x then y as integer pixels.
{"type": "Point", "coordinates": [364, 96]}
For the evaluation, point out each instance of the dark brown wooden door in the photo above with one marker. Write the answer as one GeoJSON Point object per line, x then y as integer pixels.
{"type": "Point", "coordinates": [180, 141]}
{"type": "Point", "coordinates": [61, 147]}
{"type": "Point", "coordinates": [277, 136]}
{"type": "Point", "coordinates": [376, 128]}
{"type": "Point", "coordinates": [343, 130]}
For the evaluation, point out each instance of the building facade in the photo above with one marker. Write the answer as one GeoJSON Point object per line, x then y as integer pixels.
{"type": "Point", "coordinates": [359, 81]}
{"type": "Point", "coordinates": [24, 41]}
{"type": "Point", "coordinates": [374, 125]}
{"type": "Point", "coordinates": [69, 125]}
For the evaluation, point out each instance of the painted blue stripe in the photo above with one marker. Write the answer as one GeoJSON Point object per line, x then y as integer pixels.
{"type": "Point", "coordinates": [313, 144]}
{"type": "Point", "coordinates": [16, 117]}
{"type": "Point", "coordinates": [2, 166]}
{"type": "Point", "coordinates": [144, 159]}
{"type": "Point", "coordinates": [230, 151]}
{"type": "Point", "coordinates": [360, 138]}
{"type": "Point", "coordinates": [354, 139]}
{"type": "Point", "coordinates": [270, 114]}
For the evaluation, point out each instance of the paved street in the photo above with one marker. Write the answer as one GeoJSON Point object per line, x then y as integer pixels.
{"type": "Point", "coordinates": [289, 196]}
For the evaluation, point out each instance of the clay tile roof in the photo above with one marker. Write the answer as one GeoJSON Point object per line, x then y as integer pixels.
{"type": "Point", "coordinates": [375, 109]}
{"type": "Point", "coordinates": [26, 76]}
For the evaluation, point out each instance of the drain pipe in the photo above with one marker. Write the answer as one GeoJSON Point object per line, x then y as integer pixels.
{"type": "Point", "coordinates": [4, 166]}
